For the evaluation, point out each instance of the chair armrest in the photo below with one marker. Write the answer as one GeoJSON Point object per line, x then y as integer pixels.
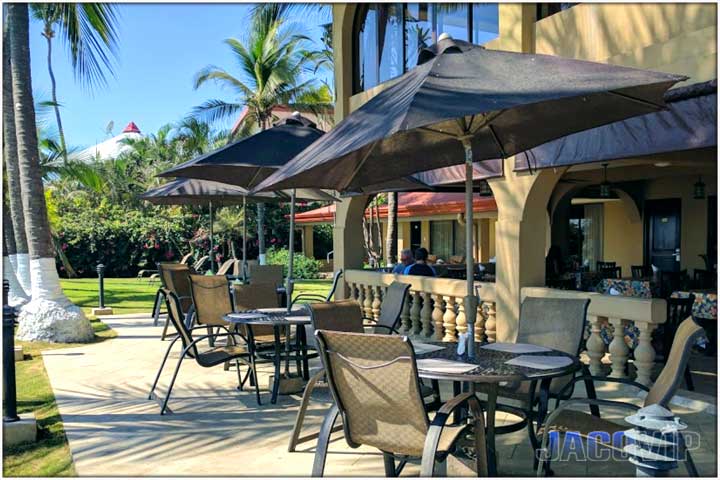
{"type": "Point", "coordinates": [438, 424]}
{"type": "Point", "coordinates": [308, 296]}
{"type": "Point", "coordinates": [391, 330]}
{"type": "Point", "coordinates": [624, 381]}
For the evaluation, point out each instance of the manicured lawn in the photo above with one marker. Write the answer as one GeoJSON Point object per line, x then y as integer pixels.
{"type": "Point", "coordinates": [130, 295]}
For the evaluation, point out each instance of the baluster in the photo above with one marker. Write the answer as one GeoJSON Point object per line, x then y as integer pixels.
{"type": "Point", "coordinates": [351, 289]}
{"type": "Point", "coordinates": [367, 303]}
{"type": "Point", "coordinates": [360, 296]}
{"type": "Point", "coordinates": [376, 303]}
{"type": "Point", "coordinates": [480, 319]}
{"type": "Point", "coordinates": [437, 316]}
{"type": "Point", "coordinates": [491, 323]}
{"type": "Point", "coordinates": [405, 315]}
{"type": "Point", "coordinates": [618, 349]}
{"type": "Point", "coordinates": [426, 314]}
{"type": "Point", "coordinates": [644, 353]}
{"type": "Point", "coordinates": [415, 314]}
{"type": "Point", "coordinates": [450, 320]}
{"type": "Point", "coordinates": [595, 345]}
{"type": "Point", "coordinates": [460, 318]}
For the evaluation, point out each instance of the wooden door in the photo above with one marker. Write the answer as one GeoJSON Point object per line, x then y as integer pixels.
{"type": "Point", "coordinates": [662, 233]}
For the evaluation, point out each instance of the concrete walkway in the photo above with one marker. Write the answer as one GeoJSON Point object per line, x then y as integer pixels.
{"type": "Point", "coordinates": [113, 430]}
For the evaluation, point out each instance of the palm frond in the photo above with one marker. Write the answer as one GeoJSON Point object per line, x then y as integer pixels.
{"type": "Point", "coordinates": [216, 110]}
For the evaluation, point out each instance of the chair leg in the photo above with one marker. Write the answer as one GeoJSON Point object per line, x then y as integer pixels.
{"type": "Point", "coordinates": [324, 441]}
{"type": "Point", "coordinates": [162, 365]}
{"type": "Point", "coordinates": [300, 418]}
{"type": "Point", "coordinates": [688, 379]}
{"type": "Point", "coordinates": [172, 383]}
{"type": "Point", "coordinates": [157, 306]}
{"type": "Point", "coordinates": [165, 328]}
{"type": "Point", "coordinates": [389, 462]}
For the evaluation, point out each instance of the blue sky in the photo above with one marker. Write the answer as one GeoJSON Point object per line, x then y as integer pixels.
{"type": "Point", "coordinates": [161, 48]}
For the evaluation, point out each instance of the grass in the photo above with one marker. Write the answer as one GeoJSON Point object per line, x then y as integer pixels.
{"type": "Point", "coordinates": [130, 295]}
{"type": "Point", "coordinates": [50, 455]}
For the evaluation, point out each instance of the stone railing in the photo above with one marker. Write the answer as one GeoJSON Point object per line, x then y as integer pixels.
{"type": "Point", "coordinates": [434, 307]}
{"type": "Point", "coordinates": [618, 312]}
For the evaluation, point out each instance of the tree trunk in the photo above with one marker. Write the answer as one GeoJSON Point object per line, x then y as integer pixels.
{"type": "Point", "coordinates": [49, 316]}
{"type": "Point", "coordinates": [17, 295]}
{"type": "Point", "coordinates": [53, 90]}
{"type": "Point", "coordinates": [20, 259]}
{"type": "Point", "coordinates": [391, 239]}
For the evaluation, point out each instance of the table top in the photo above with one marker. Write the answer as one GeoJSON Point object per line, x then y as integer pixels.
{"type": "Point", "coordinates": [269, 316]}
{"type": "Point", "coordinates": [491, 366]}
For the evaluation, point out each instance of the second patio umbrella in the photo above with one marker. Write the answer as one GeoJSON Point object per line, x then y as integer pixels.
{"type": "Point", "coordinates": [248, 161]}
{"type": "Point", "coordinates": [464, 103]}
{"type": "Point", "coordinates": [189, 191]}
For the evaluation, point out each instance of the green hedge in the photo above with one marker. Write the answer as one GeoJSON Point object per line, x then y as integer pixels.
{"type": "Point", "coordinates": [303, 267]}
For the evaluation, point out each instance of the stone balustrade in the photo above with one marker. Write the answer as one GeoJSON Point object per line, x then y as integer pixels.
{"type": "Point", "coordinates": [618, 312]}
{"type": "Point", "coordinates": [434, 308]}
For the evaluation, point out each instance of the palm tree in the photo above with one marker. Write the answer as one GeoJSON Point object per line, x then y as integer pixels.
{"type": "Point", "coordinates": [391, 237]}
{"type": "Point", "coordinates": [16, 295]}
{"type": "Point", "coordinates": [195, 136]}
{"type": "Point", "coordinates": [271, 63]}
{"type": "Point", "coordinates": [49, 316]}
{"type": "Point", "coordinates": [89, 31]}
{"type": "Point", "coordinates": [20, 259]}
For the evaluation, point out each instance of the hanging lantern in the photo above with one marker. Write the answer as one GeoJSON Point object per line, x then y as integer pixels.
{"type": "Point", "coordinates": [605, 185]}
{"type": "Point", "coordinates": [699, 189]}
{"type": "Point", "coordinates": [484, 189]}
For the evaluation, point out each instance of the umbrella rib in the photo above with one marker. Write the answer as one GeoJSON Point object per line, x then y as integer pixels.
{"type": "Point", "coordinates": [640, 101]}
{"type": "Point", "coordinates": [497, 141]}
{"type": "Point", "coordinates": [427, 129]}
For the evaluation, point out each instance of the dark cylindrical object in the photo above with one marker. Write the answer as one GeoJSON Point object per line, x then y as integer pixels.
{"type": "Point", "coordinates": [101, 284]}
{"type": "Point", "coordinates": [10, 397]}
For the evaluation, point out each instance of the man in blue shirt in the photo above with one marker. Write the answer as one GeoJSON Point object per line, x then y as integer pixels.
{"type": "Point", "coordinates": [406, 259]}
{"type": "Point", "coordinates": [420, 267]}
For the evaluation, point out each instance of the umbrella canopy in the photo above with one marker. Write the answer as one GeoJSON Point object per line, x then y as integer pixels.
{"type": "Point", "coordinates": [191, 191]}
{"type": "Point", "coordinates": [464, 103]}
{"type": "Point", "coordinates": [250, 160]}
{"type": "Point", "coordinates": [502, 102]}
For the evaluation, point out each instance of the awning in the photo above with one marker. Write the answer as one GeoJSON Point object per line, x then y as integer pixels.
{"type": "Point", "coordinates": [690, 122]}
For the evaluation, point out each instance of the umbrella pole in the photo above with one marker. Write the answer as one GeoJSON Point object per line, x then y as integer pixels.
{"type": "Point", "coordinates": [470, 298]}
{"type": "Point", "coordinates": [289, 287]}
{"type": "Point", "coordinates": [212, 241]}
{"type": "Point", "coordinates": [244, 243]}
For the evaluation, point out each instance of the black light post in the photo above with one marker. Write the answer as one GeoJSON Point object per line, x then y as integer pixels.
{"type": "Point", "coordinates": [10, 411]}
{"type": "Point", "coordinates": [101, 284]}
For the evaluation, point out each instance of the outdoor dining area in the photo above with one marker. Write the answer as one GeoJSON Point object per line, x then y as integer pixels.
{"type": "Point", "coordinates": [417, 367]}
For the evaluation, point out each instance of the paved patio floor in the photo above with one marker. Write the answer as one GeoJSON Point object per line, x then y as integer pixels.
{"type": "Point", "coordinates": [113, 430]}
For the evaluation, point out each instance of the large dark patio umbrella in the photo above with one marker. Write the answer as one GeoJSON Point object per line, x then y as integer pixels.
{"type": "Point", "coordinates": [248, 161]}
{"type": "Point", "coordinates": [190, 191]}
{"type": "Point", "coordinates": [464, 103]}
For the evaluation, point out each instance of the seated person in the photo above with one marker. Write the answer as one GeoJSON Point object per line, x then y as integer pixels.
{"type": "Point", "coordinates": [406, 259]}
{"type": "Point", "coordinates": [420, 267]}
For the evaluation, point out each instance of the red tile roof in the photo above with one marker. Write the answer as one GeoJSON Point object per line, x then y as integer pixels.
{"type": "Point", "coordinates": [131, 128]}
{"type": "Point", "coordinates": [411, 204]}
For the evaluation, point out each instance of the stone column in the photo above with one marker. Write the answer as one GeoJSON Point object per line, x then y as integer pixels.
{"type": "Point", "coordinates": [618, 349]}
{"type": "Point", "coordinates": [595, 345]}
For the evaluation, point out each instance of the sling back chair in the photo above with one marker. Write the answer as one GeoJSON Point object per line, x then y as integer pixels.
{"type": "Point", "coordinates": [556, 323]}
{"type": "Point", "coordinates": [390, 309]}
{"type": "Point", "coordinates": [176, 278]}
{"type": "Point", "coordinates": [563, 419]}
{"type": "Point", "coordinates": [316, 297]}
{"type": "Point", "coordinates": [677, 310]}
{"type": "Point", "coordinates": [251, 297]}
{"type": "Point", "coordinates": [374, 382]}
{"type": "Point", "coordinates": [209, 358]}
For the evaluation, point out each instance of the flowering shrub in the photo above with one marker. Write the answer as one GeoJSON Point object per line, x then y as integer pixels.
{"type": "Point", "coordinates": [125, 241]}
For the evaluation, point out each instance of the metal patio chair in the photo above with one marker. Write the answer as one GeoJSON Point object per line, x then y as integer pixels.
{"type": "Point", "coordinates": [562, 419]}
{"type": "Point", "coordinates": [556, 323]}
{"type": "Point", "coordinates": [272, 274]}
{"type": "Point", "coordinates": [677, 310]}
{"type": "Point", "coordinates": [390, 309]}
{"type": "Point", "coordinates": [375, 385]}
{"type": "Point", "coordinates": [316, 297]}
{"type": "Point", "coordinates": [208, 358]}
{"type": "Point", "coordinates": [176, 278]}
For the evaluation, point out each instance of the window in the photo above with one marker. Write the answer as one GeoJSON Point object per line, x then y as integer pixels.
{"type": "Point", "coordinates": [387, 37]}
{"type": "Point", "coordinates": [547, 9]}
{"type": "Point", "coordinates": [447, 238]}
